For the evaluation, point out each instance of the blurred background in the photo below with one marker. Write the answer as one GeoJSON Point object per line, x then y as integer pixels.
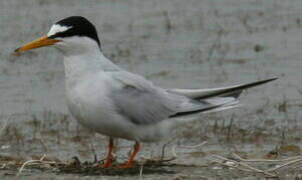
{"type": "Point", "coordinates": [174, 43]}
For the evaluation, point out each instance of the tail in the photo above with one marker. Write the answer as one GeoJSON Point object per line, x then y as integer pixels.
{"type": "Point", "coordinates": [221, 98]}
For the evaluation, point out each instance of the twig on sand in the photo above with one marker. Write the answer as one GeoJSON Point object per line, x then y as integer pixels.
{"type": "Point", "coordinates": [186, 147]}
{"type": "Point", "coordinates": [164, 148]}
{"type": "Point", "coordinates": [285, 164]}
{"type": "Point", "coordinates": [5, 124]}
{"type": "Point", "coordinates": [194, 146]}
{"type": "Point", "coordinates": [239, 165]}
{"type": "Point", "coordinates": [33, 162]}
{"type": "Point", "coordinates": [141, 172]}
{"type": "Point", "coordinates": [288, 161]}
{"type": "Point", "coordinates": [243, 164]}
{"type": "Point", "coordinates": [3, 166]}
{"type": "Point", "coordinates": [265, 160]}
{"type": "Point", "coordinates": [162, 159]}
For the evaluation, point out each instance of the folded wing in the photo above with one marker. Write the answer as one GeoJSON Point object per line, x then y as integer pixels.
{"type": "Point", "coordinates": [142, 103]}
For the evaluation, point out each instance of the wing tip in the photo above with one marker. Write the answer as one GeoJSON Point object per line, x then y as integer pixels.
{"type": "Point", "coordinates": [269, 80]}
{"type": "Point", "coordinates": [257, 83]}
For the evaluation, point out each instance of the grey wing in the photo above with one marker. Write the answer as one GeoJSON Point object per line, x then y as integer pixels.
{"type": "Point", "coordinates": [142, 103]}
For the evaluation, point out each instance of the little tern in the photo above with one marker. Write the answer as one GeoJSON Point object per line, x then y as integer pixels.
{"type": "Point", "coordinates": [111, 101]}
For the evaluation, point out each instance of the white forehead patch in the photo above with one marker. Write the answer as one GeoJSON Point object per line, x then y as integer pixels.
{"type": "Point", "coordinates": [56, 28]}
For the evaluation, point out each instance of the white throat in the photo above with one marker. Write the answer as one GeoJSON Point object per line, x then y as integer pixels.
{"type": "Point", "coordinates": [82, 56]}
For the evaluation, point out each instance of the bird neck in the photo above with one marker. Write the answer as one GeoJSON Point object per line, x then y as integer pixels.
{"type": "Point", "coordinates": [93, 61]}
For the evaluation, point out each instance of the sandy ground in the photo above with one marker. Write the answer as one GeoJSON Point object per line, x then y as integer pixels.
{"type": "Point", "coordinates": [174, 43]}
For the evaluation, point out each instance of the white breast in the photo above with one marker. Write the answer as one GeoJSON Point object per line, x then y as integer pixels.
{"type": "Point", "coordinates": [89, 103]}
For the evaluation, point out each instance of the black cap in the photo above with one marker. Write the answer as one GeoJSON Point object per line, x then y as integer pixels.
{"type": "Point", "coordinates": [79, 26]}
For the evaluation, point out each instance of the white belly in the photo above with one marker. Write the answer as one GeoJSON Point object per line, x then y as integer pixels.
{"type": "Point", "coordinates": [110, 124]}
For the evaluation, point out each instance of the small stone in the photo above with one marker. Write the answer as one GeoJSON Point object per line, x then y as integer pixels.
{"type": "Point", "coordinates": [258, 48]}
{"type": "Point", "coordinates": [230, 163]}
{"type": "Point", "coordinates": [298, 177]}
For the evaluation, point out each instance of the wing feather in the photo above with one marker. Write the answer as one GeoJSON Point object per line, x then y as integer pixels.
{"type": "Point", "coordinates": [143, 103]}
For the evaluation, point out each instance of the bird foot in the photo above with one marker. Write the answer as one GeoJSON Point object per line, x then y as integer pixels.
{"type": "Point", "coordinates": [126, 165]}
{"type": "Point", "coordinates": [104, 165]}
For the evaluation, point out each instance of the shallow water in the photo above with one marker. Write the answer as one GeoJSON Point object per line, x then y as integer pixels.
{"type": "Point", "coordinates": [173, 43]}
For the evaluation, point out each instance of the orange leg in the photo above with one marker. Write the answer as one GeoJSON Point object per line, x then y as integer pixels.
{"type": "Point", "coordinates": [129, 163]}
{"type": "Point", "coordinates": [108, 161]}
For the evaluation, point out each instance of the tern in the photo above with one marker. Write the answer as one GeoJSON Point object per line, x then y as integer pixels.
{"type": "Point", "coordinates": [119, 104]}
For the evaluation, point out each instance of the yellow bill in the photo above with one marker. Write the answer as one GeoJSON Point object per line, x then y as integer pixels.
{"type": "Point", "coordinates": [40, 42]}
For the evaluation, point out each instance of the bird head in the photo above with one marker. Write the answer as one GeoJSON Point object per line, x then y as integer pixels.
{"type": "Point", "coordinates": [71, 34]}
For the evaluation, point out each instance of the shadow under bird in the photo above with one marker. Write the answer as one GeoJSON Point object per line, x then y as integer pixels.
{"type": "Point", "coordinates": [111, 101]}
